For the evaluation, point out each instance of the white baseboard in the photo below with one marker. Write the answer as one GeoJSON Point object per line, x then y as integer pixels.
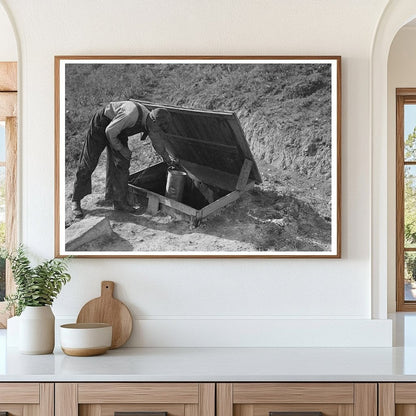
{"type": "Point", "coordinates": [189, 332]}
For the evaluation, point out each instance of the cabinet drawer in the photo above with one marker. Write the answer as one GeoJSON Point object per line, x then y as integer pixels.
{"type": "Point", "coordinates": [147, 399]}
{"type": "Point", "coordinates": [138, 393]}
{"type": "Point", "coordinates": [296, 399]}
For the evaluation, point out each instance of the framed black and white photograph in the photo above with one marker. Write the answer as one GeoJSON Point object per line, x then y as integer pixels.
{"type": "Point", "coordinates": [198, 156]}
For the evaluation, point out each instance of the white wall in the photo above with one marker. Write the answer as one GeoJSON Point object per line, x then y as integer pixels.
{"type": "Point", "coordinates": [401, 74]}
{"type": "Point", "coordinates": [199, 302]}
{"type": "Point", "coordinates": [8, 47]}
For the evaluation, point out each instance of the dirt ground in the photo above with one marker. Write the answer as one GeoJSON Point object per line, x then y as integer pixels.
{"type": "Point", "coordinates": [285, 213]}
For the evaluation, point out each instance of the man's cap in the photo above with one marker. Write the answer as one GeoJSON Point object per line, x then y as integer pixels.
{"type": "Point", "coordinates": [160, 115]}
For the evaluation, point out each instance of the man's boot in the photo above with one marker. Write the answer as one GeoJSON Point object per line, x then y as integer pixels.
{"type": "Point", "coordinates": [77, 210]}
{"type": "Point", "coordinates": [124, 206]}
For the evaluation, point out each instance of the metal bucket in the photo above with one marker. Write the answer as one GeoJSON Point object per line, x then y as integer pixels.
{"type": "Point", "coordinates": [175, 184]}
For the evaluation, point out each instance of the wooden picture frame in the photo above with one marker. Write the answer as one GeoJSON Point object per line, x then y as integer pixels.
{"type": "Point", "coordinates": [257, 139]}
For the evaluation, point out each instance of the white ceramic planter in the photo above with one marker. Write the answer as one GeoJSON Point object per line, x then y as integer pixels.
{"type": "Point", "coordinates": [37, 330]}
{"type": "Point", "coordinates": [12, 334]}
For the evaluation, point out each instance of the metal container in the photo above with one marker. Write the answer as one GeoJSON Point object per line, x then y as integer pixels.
{"type": "Point", "coordinates": [175, 184]}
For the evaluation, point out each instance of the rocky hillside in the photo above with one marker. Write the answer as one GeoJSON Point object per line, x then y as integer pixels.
{"type": "Point", "coordinates": [285, 110]}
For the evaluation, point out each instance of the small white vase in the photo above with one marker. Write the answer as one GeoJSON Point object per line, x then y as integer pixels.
{"type": "Point", "coordinates": [12, 334]}
{"type": "Point", "coordinates": [37, 330]}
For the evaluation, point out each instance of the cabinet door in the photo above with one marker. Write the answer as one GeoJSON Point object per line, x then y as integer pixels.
{"type": "Point", "coordinates": [297, 399]}
{"type": "Point", "coordinates": [26, 399]}
{"type": "Point", "coordinates": [142, 399]}
{"type": "Point", "coordinates": [397, 399]}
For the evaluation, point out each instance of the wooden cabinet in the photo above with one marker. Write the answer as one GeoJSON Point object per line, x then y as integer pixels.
{"type": "Point", "coordinates": [27, 399]}
{"type": "Point", "coordinates": [106, 399]}
{"type": "Point", "coordinates": [264, 399]}
{"type": "Point", "coordinates": [208, 399]}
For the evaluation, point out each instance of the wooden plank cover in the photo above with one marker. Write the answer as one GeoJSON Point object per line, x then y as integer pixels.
{"type": "Point", "coordinates": [138, 393]}
{"type": "Point", "coordinates": [208, 138]}
{"type": "Point", "coordinates": [340, 393]}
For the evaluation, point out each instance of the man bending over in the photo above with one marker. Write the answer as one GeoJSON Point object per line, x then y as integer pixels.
{"type": "Point", "coordinates": [110, 127]}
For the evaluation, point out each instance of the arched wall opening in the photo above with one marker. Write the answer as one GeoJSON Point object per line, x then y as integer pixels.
{"type": "Point", "coordinates": [401, 74]}
{"type": "Point", "coordinates": [396, 15]}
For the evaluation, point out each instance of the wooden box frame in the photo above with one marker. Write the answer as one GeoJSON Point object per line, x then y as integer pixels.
{"type": "Point", "coordinates": [157, 201]}
{"type": "Point", "coordinates": [243, 185]}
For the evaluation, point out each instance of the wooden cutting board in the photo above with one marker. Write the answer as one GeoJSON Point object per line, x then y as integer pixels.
{"type": "Point", "coordinates": [108, 310]}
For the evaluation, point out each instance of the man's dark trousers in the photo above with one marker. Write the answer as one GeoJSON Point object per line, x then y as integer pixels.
{"type": "Point", "coordinates": [117, 166]}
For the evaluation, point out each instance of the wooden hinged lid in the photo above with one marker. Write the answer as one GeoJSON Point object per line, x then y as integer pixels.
{"type": "Point", "coordinates": [211, 145]}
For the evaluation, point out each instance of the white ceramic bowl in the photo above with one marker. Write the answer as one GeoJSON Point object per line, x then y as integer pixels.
{"type": "Point", "coordinates": [83, 340]}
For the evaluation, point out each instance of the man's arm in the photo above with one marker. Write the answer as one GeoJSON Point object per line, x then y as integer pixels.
{"type": "Point", "coordinates": [125, 116]}
{"type": "Point", "coordinates": [159, 144]}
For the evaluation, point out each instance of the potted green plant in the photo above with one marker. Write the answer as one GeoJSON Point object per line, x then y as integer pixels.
{"type": "Point", "coordinates": [36, 289]}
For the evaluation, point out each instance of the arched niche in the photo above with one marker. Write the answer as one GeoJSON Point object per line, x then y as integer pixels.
{"type": "Point", "coordinates": [395, 16]}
